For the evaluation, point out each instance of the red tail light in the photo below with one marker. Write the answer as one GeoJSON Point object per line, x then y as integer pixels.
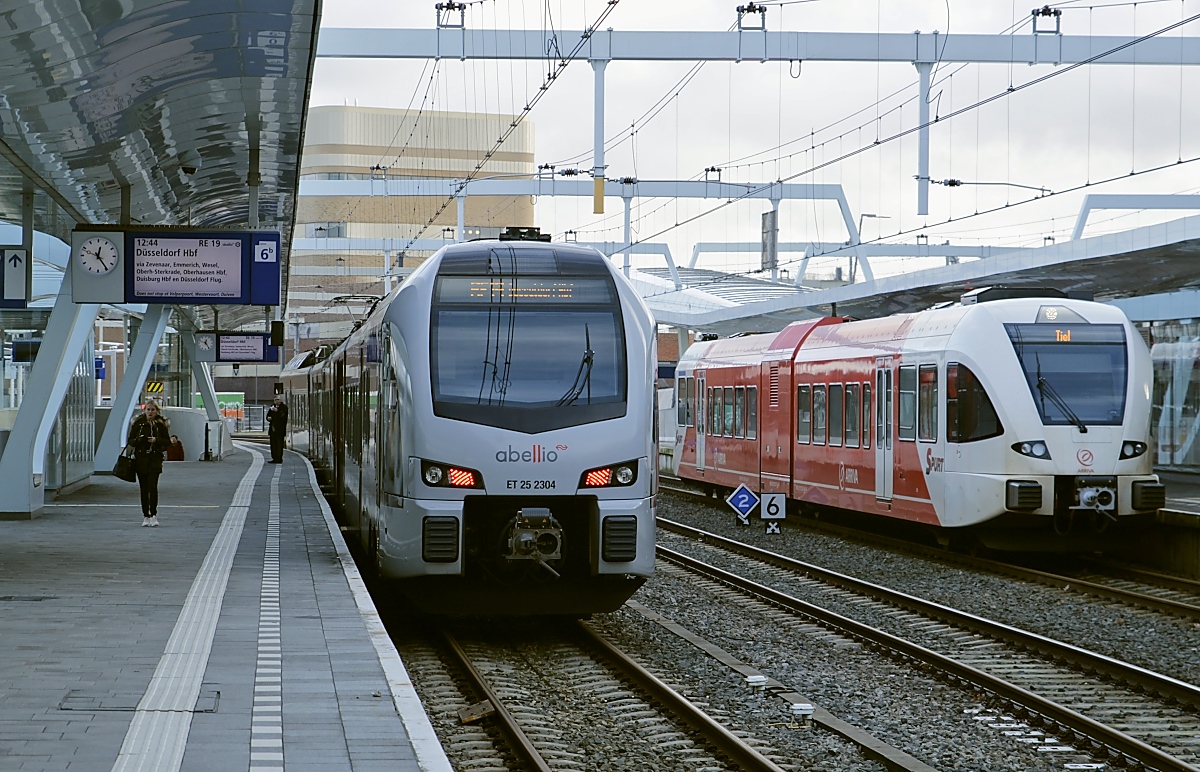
{"type": "Point", "coordinates": [598, 478]}
{"type": "Point", "coordinates": [461, 478]}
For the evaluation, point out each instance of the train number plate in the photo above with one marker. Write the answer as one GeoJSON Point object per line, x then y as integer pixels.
{"type": "Point", "coordinates": [531, 485]}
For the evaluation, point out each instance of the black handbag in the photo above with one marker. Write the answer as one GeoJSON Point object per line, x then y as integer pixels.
{"type": "Point", "coordinates": [124, 468]}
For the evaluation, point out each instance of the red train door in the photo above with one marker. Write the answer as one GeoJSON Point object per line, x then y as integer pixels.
{"type": "Point", "coordinates": [884, 458]}
{"type": "Point", "coordinates": [775, 422]}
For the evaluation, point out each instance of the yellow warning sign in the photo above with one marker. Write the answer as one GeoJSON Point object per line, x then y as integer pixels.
{"type": "Point", "coordinates": [154, 387]}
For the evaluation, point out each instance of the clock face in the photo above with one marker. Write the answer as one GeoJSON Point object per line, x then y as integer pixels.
{"type": "Point", "coordinates": [98, 255]}
{"type": "Point", "coordinates": [205, 342]}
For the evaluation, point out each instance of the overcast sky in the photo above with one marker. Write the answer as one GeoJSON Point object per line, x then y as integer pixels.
{"type": "Point", "coordinates": [762, 122]}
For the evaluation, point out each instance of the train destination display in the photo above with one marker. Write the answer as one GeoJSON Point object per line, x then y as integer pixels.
{"type": "Point", "coordinates": [191, 267]}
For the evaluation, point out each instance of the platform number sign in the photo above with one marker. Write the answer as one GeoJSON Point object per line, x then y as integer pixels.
{"type": "Point", "coordinates": [743, 500]}
{"type": "Point", "coordinates": [266, 252]}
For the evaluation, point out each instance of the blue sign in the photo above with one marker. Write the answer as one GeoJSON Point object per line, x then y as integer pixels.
{"type": "Point", "coordinates": [264, 269]}
{"type": "Point", "coordinates": [101, 369]}
{"type": "Point", "coordinates": [743, 500]}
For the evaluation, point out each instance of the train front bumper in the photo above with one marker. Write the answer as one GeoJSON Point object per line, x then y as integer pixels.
{"type": "Point", "coordinates": [430, 537]}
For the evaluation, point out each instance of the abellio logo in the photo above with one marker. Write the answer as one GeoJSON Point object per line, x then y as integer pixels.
{"type": "Point", "coordinates": [538, 454]}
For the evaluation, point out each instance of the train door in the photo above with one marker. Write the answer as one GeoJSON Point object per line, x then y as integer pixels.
{"type": "Point", "coordinates": [775, 427]}
{"type": "Point", "coordinates": [884, 459]}
{"type": "Point", "coordinates": [701, 419]}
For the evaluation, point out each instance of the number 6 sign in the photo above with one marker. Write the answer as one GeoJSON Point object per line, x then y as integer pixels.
{"type": "Point", "coordinates": [266, 252]}
{"type": "Point", "coordinates": [774, 506]}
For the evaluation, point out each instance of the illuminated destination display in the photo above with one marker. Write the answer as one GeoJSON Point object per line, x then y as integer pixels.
{"type": "Point", "coordinates": [195, 268]}
{"type": "Point", "coordinates": [509, 289]}
{"type": "Point", "coordinates": [241, 348]}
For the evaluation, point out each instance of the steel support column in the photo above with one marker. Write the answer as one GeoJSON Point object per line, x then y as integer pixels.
{"type": "Point", "coordinates": [202, 373]}
{"type": "Point", "coordinates": [598, 167]}
{"type": "Point", "coordinates": [21, 466]}
{"type": "Point", "coordinates": [924, 69]}
{"type": "Point", "coordinates": [137, 366]}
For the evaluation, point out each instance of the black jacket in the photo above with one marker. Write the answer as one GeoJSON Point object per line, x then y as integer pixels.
{"type": "Point", "coordinates": [277, 417]}
{"type": "Point", "coordinates": [149, 439]}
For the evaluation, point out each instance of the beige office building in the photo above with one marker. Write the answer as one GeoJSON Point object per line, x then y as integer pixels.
{"type": "Point", "coordinates": [333, 281]}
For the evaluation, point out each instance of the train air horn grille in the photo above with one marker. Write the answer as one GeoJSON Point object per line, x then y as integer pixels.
{"type": "Point", "coordinates": [620, 539]}
{"type": "Point", "coordinates": [440, 539]}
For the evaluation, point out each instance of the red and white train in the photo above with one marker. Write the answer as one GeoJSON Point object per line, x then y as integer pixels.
{"type": "Point", "coordinates": [1023, 415]}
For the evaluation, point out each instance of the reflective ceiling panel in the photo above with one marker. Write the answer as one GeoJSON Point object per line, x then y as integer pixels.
{"type": "Point", "coordinates": [183, 101]}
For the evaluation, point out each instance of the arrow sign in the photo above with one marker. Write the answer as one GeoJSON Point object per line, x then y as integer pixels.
{"type": "Point", "coordinates": [743, 500]}
{"type": "Point", "coordinates": [14, 275]}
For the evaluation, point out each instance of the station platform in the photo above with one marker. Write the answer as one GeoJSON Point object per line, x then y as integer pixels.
{"type": "Point", "coordinates": [237, 635]}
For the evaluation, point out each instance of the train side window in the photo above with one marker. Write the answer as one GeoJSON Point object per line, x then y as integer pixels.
{"type": "Point", "coordinates": [866, 415]}
{"type": "Point", "coordinates": [728, 411]}
{"type": "Point", "coordinates": [969, 412]}
{"type": "Point", "coordinates": [690, 386]}
{"type": "Point", "coordinates": [712, 414]}
{"type": "Point", "coordinates": [681, 401]}
{"type": "Point", "coordinates": [818, 415]}
{"type": "Point", "coordinates": [804, 415]}
{"type": "Point", "coordinates": [927, 404]}
{"type": "Point", "coordinates": [751, 412]}
{"type": "Point", "coordinates": [836, 414]}
{"type": "Point", "coordinates": [906, 425]}
{"type": "Point", "coordinates": [739, 412]}
{"type": "Point", "coordinates": [852, 415]}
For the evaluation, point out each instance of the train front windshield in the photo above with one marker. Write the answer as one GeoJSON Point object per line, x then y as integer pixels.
{"type": "Point", "coordinates": [530, 353]}
{"type": "Point", "coordinates": [1076, 373]}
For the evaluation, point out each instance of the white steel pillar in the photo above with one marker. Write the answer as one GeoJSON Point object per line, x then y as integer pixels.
{"type": "Point", "coordinates": [598, 166]}
{"type": "Point", "coordinates": [460, 234]}
{"type": "Point", "coordinates": [137, 366]}
{"type": "Point", "coordinates": [202, 373]}
{"type": "Point", "coordinates": [21, 466]}
{"type": "Point", "coordinates": [924, 69]}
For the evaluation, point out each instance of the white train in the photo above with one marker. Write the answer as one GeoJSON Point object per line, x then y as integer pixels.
{"type": "Point", "coordinates": [486, 435]}
{"type": "Point", "coordinates": [1022, 416]}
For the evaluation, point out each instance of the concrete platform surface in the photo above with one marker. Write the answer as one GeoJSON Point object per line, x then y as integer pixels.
{"type": "Point", "coordinates": [237, 635]}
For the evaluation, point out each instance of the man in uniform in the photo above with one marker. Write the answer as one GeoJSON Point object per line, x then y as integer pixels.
{"type": "Point", "coordinates": [277, 416]}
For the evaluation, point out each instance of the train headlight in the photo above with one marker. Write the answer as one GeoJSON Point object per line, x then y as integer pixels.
{"type": "Point", "coordinates": [446, 476]}
{"type": "Point", "coordinates": [1131, 449]}
{"type": "Point", "coordinates": [614, 476]}
{"type": "Point", "coordinates": [1033, 449]}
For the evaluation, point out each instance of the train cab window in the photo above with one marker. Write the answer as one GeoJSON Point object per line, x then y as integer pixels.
{"type": "Point", "coordinates": [739, 412]}
{"type": "Point", "coordinates": [818, 415]}
{"type": "Point", "coordinates": [927, 404]}
{"type": "Point", "coordinates": [906, 423]}
{"type": "Point", "coordinates": [835, 414]}
{"type": "Point", "coordinates": [969, 413]}
{"type": "Point", "coordinates": [866, 415]}
{"type": "Point", "coordinates": [852, 415]}
{"type": "Point", "coordinates": [520, 344]}
{"type": "Point", "coordinates": [804, 415]}
{"type": "Point", "coordinates": [728, 411]}
{"type": "Point", "coordinates": [751, 412]}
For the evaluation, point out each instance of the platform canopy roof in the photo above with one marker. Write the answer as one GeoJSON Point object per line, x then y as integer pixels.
{"type": "Point", "coordinates": [1152, 259]}
{"type": "Point", "coordinates": [186, 103]}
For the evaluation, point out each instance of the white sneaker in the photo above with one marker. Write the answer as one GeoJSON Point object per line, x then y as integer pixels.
{"type": "Point", "coordinates": [146, 522]}
{"type": "Point", "coordinates": [154, 521]}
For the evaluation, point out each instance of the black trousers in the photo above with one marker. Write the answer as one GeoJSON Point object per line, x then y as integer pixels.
{"type": "Point", "coordinates": [148, 483]}
{"type": "Point", "coordinates": [276, 445]}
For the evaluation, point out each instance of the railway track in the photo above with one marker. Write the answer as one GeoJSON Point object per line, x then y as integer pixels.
{"type": "Point", "coordinates": [1113, 582]}
{"type": "Point", "coordinates": [1106, 706]}
{"type": "Point", "coordinates": [548, 699]}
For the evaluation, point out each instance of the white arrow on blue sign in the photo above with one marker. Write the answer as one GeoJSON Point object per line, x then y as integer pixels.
{"type": "Point", "coordinates": [743, 500]}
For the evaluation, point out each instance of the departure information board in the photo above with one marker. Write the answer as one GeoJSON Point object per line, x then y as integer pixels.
{"type": "Point", "coordinates": [196, 268]}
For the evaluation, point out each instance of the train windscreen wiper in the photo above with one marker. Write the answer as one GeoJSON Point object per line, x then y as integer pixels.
{"type": "Point", "coordinates": [1056, 399]}
{"type": "Point", "coordinates": [583, 376]}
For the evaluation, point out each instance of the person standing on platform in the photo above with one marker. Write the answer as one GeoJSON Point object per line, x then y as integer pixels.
{"type": "Point", "coordinates": [277, 416]}
{"type": "Point", "coordinates": [150, 436]}
{"type": "Point", "coordinates": [175, 452]}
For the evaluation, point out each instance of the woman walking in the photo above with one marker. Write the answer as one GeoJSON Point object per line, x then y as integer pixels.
{"type": "Point", "coordinates": [150, 437]}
